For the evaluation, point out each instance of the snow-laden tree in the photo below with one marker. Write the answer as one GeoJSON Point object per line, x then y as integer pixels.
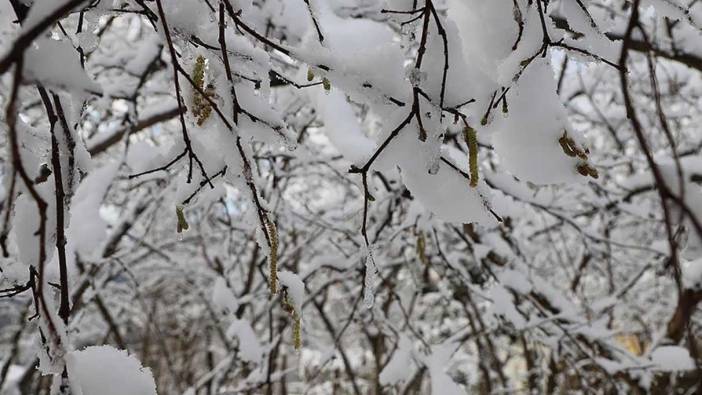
{"type": "Point", "coordinates": [350, 196]}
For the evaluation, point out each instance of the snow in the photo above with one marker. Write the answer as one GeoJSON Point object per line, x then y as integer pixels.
{"type": "Point", "coordinates": [56, 63]}
{"type": "Point", "coordinates": [360, 51]}
{"type": "Point", "coordinates": [147, 51]}
{"type": "Point", "coordinates": [487, 35]}
{"type": "Point", "coordinates": [447, 193]}
{"type": "Point", "coordinates": [400, 367]}
{"type": "Point", "coordinates": [24, 230]}
{"type": "Point", "coordinates": [296, 288]}
{"type": "Point", "coordinates": [249, 347]}
{"type": "Point", "coordinates": [519, 272]}
{"type": "Point", "coordinates": [437, 363]}
{"type": "Point", "coordinates": [39, 11]}
{"type": "Point", "coordinates": [223, 297]}
{"type": "Point", "coordinates": [104, 370]}
{"type": "Point", "coordinates": [672, 358]}
{"type": "Point", "coordinates": [692, 274]}
{"type": "Point", "coordinates": [369, 281]}
{"type": "Point", "coordinates": [14, 374]}
{"type": "Point", "coordinates": [593, 40]}
{"type": "Point", "coordinates": [690, 165]}
{"type": "Point", "coordinates": [88, 228]}
{"type": "Point", "coordinates": [503, 306]}
{"type": "Point", "coordinates": [342, 127]}
{"type": "Point", "coordinates": [673, 9]}
{"type": "Point", "coordinates": [527, 139]}
{"type": "Point", "coordinates": [515, 280]}
{"type": "Point", "coordinates": [184, 15]}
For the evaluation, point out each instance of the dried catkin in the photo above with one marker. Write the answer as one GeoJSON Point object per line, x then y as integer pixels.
{"type": "Point", "coordinates": [585, 170]}
{"type": "Point", "coordinates": [471, 137]}
{"type": "Point", "coordinates": [570, 148]}
{"type": "Point", "coordinates": [182, 223]}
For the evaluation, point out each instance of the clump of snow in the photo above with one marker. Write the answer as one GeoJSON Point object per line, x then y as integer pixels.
{"type": "Point", "coordinates": [55, 63]}
{"type": "Point", "coordinates": [249, 347]}
{"type": "Point", "coordinates": [672, 358]}
{"type": "Point", "coordinates": [184, 15]}
{"type": "Point", "coordinates": [14, 375]}
{"type": "Point", "coordinates": [401, 366]}
{"type": "Point", "coordinates": [295, 286]}
{"type": "Point", "coordinates": [104, 370]}
{"type": "Point", "coordinates": [692, 274]}
{"type": "Point", "coordinates": [527, 140]}
{"type": "Point", "coordinates": [503, 306]}
{"type": "Point", "coordinates": [24, 230]}
{"type": "Point", "coordinates": [484, 31]}
{"type": "Point", "coordinates": [341, 126]}
{"type": "Point", "coordinates": [437, 363]}
{"type": "Point", "coordinates": [446, 193]}
{"type": "Point", "coordinates": [360, 52]}
{"type": "Point", "coordinates": [515, 280]}
{"type": "Point", "coordinates": [40, 11]}
{"type": "Point", "coordinates": [88, 228]}
{"type": "Point", "coordinates": [592, 38]}
{"type": "Point", "coordinates": [223, 297]}
{"type": "Point", "coordinates": [671, 9]}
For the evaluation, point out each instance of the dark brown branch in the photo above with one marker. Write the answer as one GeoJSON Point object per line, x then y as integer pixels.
{"type": "Point", "coordinates": [64, 309]}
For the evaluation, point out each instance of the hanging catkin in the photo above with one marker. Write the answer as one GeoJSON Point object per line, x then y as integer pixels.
{"type": "Point", "coordinates": [182, 222]}
{"type": "Point", "coordinates": [297, 320]}
{"type": "Point", "coordinates": [273, 258]}
{"type": "Point", "coordinates": [297, 331]}
{"type": "Point", "coordinates": [201, 106]}
{"type": "Point", "coordinates": [472, 140]}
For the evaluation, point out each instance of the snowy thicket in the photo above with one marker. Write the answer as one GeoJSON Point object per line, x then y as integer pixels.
{"type": "Point", "coordinates": [350, 196]}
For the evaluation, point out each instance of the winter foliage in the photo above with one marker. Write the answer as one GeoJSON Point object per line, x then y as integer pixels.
{"type": "Point", "coordinates": [350, 196]}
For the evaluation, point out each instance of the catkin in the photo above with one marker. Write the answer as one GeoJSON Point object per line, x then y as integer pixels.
{"type": "Point", "coordinates": [201, 106]}
{"type": "Point", "coordinates": [182, 222]}
{"type": "Point", "coordinates": [297, 331]}
{"type": "Point", "coordinates": [199, 71]}
{"type": "Point", "coordinates": [570, 148]}
{"type": "Point", "coordinates": [586, 170]}
{"type": "Point", "coordinates": [273, 257]}
{"type": "Point", "coordinates": [566, 146]}
{"type": "Point", "coordinates": [471, 137]}
{"type": "Point", "coordinates": [297, 321]}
